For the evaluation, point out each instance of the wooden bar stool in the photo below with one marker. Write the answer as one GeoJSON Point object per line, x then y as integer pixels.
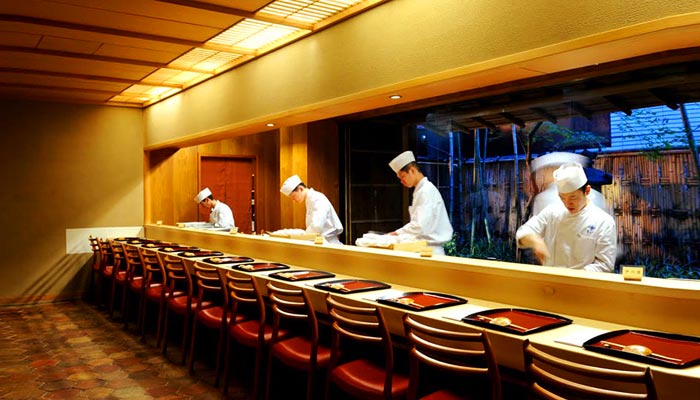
{"type": "Point", "coordinates": [245, 298]}
{"type": "Point", "coordinates": [116, 276]}
{"type": "Point", "coordinates": [367, 374]}
{"type": "Point", "coordinates": [555, 378]}
{"type": "Point", "coordinates": [153, 291]}
{"type": "Point", "coordinates": [300, 349]}
{"type": "Point", "coordinates": [178, 299]}
{"type": "Point", "coordinates": [211, 310]}
{"type": "Point", "coordinates": [134, 283]}
{"type": "Point", "coordinates": [464, 361]}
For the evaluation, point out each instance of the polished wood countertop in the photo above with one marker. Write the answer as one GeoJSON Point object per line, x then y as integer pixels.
{"type": "Point", "coordinates": [594, 301]}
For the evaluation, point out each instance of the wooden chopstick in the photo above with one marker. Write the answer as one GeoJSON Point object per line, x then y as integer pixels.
{"type": "Point", "coordinates": [622, 346]}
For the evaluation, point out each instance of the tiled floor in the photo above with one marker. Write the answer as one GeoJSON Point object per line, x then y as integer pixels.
{"type": "Point", "coordinates": [69, 350]}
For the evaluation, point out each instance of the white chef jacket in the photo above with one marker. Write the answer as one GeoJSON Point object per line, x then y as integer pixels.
{"type": "Point", "coordinates": [221, 216]}
{"type": "Point", "coordinates": [429, 219]}
{"type": "Point", "coordinates": [321, 217]}
{"type": "Point", "coordinates": [584, 240]}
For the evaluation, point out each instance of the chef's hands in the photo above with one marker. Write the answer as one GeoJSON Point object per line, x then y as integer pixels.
{"type": "Point", "coordinates": [539, 248]}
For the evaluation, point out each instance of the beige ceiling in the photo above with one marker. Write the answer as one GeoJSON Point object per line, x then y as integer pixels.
{"type": "Point", "coordinates": [137, 52]}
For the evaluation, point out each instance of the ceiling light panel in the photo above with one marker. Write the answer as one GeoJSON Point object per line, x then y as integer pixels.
{"type": "Point", "coordinates": [307, 11]}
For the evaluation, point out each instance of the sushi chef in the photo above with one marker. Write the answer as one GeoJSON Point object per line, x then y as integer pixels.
{"type": "Point", "coordinates": [220, 215]}
{"type": "Point", "coordinates": [574, 232]}
{"type": "Point", "coordinates": [320, 215]}
{"type": "Point", "coordinates": [429, 219]}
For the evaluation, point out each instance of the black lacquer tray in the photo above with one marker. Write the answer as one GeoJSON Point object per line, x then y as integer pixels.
{"type": "Point", "coordinates": [261, 266]}
{"type": "Point", "coordinates": [516, 320]}
{"type": "Point", "coordinates": [421, 301]}
{"type": "Point", "coordinates": [659, 348]}
{"type": "Point", "coordinates": [346, 286]}
{"type": "Point", "coordinates": [301, 275]}
{"type": "Point", "coordinates": [200, 253]}
{"type": "Point", "coordinates": [228, 260]}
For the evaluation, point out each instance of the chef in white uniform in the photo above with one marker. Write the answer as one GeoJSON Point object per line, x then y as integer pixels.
{"type": "Point", "coordinates": [220, 215]}
{"type": "Point", "coordinates": [429, 219]}
{"type": "Point", "coordinates": [320, 215]}
{"type": "Point", "coordinates": [573, 233]}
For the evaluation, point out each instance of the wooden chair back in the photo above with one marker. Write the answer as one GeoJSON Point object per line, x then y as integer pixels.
{"type": "Point", "coordinates": [556, 378]}
{"type": "Point", "coordinates": [463, 354]}
{"type": "Point", "coordinates": [245, 297]}
{"type": "Point", "coordinates": [177, 276]}
{"type": "Point", "coordinates": [153, 272]}
{"type": "Point", "coordinates": [292, 304]}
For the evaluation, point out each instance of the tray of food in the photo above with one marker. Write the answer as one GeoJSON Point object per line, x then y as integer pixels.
{"type": "Point", "coordinates": [659, 348]}
{"type": "Point", "coordinates": [160, 245]}
{"type": "Point", "coordinates": [200, 253]}
{"type": "Point", "coordinates": [302, 275]}
{"type": "Point", "coordinates": [128, 239]}
{"type": "Point", "coordinates": [261, 266]}
{"type": "Point", "coordinates": [228, 260]}
{"type": "Point", "coordinates": [175, 249]}
{"type": "Point", "coordinates": [346, 286]}
{"type": "Point", "coordinates": [421, 301]}
{"type": "Point", "coordinates": [515, 320]}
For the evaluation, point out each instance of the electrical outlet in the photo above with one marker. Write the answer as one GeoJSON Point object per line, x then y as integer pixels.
{"type": "Point", "coordinates": [632, 272]}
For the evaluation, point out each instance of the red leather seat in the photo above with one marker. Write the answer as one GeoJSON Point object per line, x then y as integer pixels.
{"type": "Point", "coordinates": [367, 374]}
{"type": "Point", "coordinates": [463, 360]}
{"type": "Point", "coordinates": [301, 350]}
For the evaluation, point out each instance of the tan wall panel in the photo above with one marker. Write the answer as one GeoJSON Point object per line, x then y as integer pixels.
{"type": "Point", "coordinates": [63, 167]}
{"type": "Point", "coordinates": [424, 51]}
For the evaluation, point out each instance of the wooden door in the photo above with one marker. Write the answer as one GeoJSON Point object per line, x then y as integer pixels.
{"type": "Point", "coordinates": [231, 180]}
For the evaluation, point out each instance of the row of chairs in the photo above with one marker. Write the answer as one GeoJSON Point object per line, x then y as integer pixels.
{"type": "Point", "coordinates": [443, 363]}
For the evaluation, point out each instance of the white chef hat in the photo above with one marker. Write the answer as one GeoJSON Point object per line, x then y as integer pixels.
{"type": "Point", "coordinates": [402, 160]}
{"type": "Point", "coordinates": [290, 184]}
{"type": "Point", "coordinates": [202, 195]}
{"type": "Point", "coordinates": [558, 158]}
{"type": "Point", "coordinates": [569, 177]}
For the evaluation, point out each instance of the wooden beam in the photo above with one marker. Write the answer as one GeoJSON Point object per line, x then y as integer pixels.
{"type": "Point", "coordinates": [512, 118]}
{"type": "Point", "coordinates": [620, 103]}
{"type": "Point", "coordinates": [666, 97]}
{"type": "Point", "coordinates": [484, 122]}
{"type": "Point", "coordinates": [544, 114]}
{"type": "Point", "coordinates": [85, 77]}
{"type": "Point", "coordinates": [581, 110]}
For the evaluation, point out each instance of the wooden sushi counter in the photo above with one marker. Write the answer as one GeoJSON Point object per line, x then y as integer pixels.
{"type": "Point", "coordinates": [595, 302]}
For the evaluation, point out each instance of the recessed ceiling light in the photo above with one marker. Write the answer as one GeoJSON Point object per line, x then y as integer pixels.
{"type": "Point", "coordinates": [395, 96]}
{"type": "Point", "coordinates": [270, 124]}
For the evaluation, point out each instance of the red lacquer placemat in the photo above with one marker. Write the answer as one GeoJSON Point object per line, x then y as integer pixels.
{"type": "Point", "coordinates": [518, 321]}
{"type": "Point", "coordinates": [666, 349]}
{"type": "Point", "coordinates": [302, 275]}
{"type": "Point", "coordinates": [202, 253]}
{"type": "Point", "coordinates": [421, 301]}
{"type": "Point", "coordinates": [173, 249]}
{"type": "Point", "coordinates": [352, 285]}
{"type": "Point", "coordinates": [253, 267]}
{"type": "Point", "coordinates": [228, 260]}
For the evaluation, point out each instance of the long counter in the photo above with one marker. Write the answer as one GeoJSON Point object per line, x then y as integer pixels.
{"type": "Point", "coordinates": [592, 300]}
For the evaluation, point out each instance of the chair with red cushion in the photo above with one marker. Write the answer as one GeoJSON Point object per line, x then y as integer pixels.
{"type": "Point", "coordinates": [553, 378]}
{"type": "Point", "coordinates": [178, 299]}
{"type": "Point", "coordinates": [366, 370]}
{"type": "Point", "coordinates": [116, 276]}
{"type": "Point", "coordinates": [211, 310]}
{"type": "Point", "coordinates": [134, 283]}
{"type": "Point", "coordinates": [464, 362]}
{"type": "Point", "coordinates": [245, 298]}
{"type": "Point", "coordinates": [292, 310]}
{"type": "Point", "coordinates": [153, 291]}
{"type": "Point", "coordinates": [95, 268]}
{"type": "Point", "coordinates": [105, 274]}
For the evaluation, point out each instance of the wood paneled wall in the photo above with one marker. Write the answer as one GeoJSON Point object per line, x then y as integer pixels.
{"type": "Point", "coordinates": [172, 176]}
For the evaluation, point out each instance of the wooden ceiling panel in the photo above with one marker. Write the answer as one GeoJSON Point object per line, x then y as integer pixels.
{"type": "Point", "coordinates": [14, 38]}
{"type": "Point", "coordinates": [69, 45]}
{"type": "Point", "coordinates": [44, 93]}
{"type": "Point", "coordinates": [163, 55]}
{"type": "Point", "coordinates": [66, 65]}
{"type": "Point", "coordinates": [30, 79]}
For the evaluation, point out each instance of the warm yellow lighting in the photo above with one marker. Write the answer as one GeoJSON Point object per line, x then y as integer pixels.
{"type": "Point", "coordinates": [395, 96]}
{"type": "Point", "coordinates": [270, 124]}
